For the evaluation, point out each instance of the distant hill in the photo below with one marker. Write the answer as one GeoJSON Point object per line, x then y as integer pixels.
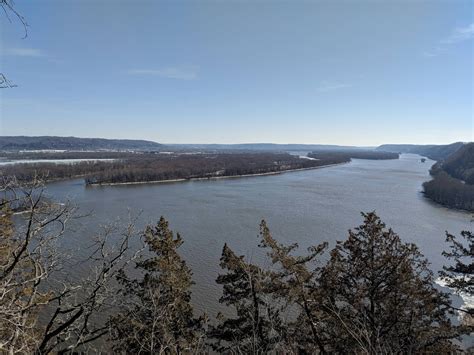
{"type": "Point", "coordinates": [435, 152]}
{"type": "Point", "coordinates": [265, 147]}
{"type": "Point", "coordinates": [15, 143]}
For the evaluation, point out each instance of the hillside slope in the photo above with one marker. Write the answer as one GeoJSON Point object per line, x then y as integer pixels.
{"type": "Point", "coordinates": [434, 152]}
{"type": "Point", "coordinates": [453, 180]}
{"type": "Point", "coordinates": [461, 164]}
{"type": "Point", "coordinates": [267, 147]}
{"type": "Point", "coordinates": [14, 143]}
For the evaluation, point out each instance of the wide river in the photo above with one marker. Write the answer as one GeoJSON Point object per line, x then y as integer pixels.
{"type": "Point", "coordinates": [307, 207]}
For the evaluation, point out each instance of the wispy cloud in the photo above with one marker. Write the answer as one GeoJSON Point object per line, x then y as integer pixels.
{"type": "Point", "coordinates": [327, 86]}
{"type": "Point", "coordinates": [25, 52]}
{"type": "Point", "coordinates": [436, 51]}
{"type": "Point", "coordinates": [458, 35]}
{"type": "Point", "coordinates": [171, 73]}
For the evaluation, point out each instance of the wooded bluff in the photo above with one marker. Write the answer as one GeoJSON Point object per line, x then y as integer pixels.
{"type": "Point", "coordinates": [453, 180]}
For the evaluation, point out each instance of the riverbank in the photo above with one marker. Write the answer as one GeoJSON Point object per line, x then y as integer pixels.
{"type": "Point", "coordinates": [212, 177]}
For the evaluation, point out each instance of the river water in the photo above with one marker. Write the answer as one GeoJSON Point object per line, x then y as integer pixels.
{"type": "Point", "coordinates": [307, 207]}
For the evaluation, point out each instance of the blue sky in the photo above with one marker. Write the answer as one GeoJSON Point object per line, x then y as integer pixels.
{"type": "Point", "coordinates": [332, 72]}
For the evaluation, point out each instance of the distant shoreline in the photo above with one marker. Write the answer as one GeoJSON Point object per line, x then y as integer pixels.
{"type": "Point", "coordinates": [210, 178]}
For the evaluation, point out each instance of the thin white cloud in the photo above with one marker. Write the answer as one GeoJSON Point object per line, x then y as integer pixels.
{"type": "Point", "coordinates": [25, 52]}
{"type": "Point", "coordinates": [171, 73]}
{"type": "Point", "coordinates": [458, 35]}
{"type": "Point", "coordinates": [327, 86]}
{"type": "Point", "coordinates": [436, 51]}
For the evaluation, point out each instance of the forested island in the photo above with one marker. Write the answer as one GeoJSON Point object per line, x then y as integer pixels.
{"type": "Point", "coordinates": [453, 180]}
{"type": "Point", "coordinates": [146, 167]}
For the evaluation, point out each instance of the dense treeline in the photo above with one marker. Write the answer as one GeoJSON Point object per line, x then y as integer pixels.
{"type": "Point", "coordinates": [354, 154]}
{"type": "Point", "coordinates": [372, 294]}
{"type": "Point", "coordinates": [453, 180]}
{"type": "Point", "coordinates": [155, 167]}
{"type": "Point", "coordinates": [51, 171]}
{"type": "Point", "coordinates": [29, 155]}
{"type": "Point", "coordinates": [449, 191]}
{"type": "Point", "coordinates": [204, 166]}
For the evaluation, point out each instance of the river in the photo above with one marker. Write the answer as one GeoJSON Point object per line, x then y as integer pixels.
{"type": "Point", "coordinates": [307, 207]}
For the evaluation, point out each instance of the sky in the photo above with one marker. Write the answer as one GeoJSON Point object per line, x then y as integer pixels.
{"type": "Point", "coordinates": [330, 72]}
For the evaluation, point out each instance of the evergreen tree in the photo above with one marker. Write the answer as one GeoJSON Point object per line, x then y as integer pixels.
{"type": "Point", "coordinates": [460, 275]}
{"type": "Point", "coordinates": [295, 281]}
{"type": "Point", "coordinates": [158, 316]}
{"type": "Point", "coordinates": [256, 328]}
{"type": "Point", "coordinates": [379, 295]}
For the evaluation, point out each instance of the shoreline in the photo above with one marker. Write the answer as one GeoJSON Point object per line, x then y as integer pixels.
{"type": "Point", "coordinates": [445, 205]}
{"type": "Point", "coordinates": [212, 177]}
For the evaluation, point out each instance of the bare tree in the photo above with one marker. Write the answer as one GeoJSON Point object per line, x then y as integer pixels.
{"type": "Point", "coordinates": [8, 7]}
{"type": "Point", "coordinates": [28, 257]}
{"type": "Point", "coordinates": [5, 83]}
{"type": "Point", "coordinates": [41, 311]}
{"type": "Point", "coordinates": [78, 319]}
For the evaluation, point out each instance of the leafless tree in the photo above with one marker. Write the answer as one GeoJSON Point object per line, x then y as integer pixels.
{"type": "Point", "coordinates": [8, 7]}
{"type": "Point", "coordinates": [41, 311]}
{"type": "Point", "coordinates": [28, 257]}
{"type": "Point", "coordinates": [10, 11]}
{"type": "Point", "coordinates": [5, 83]}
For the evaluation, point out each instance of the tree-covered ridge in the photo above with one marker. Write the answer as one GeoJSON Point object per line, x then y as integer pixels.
{"type": "Point", "coordinates": [460, 164]}
{"type": "Point", "coordinates": [453, 180]}
{"type": "Point", "coordinates": [449, 191]}
{"type": "Point", "coordinates": [434, 152]}
{"type": "Point", "coordinates": [15, 143]}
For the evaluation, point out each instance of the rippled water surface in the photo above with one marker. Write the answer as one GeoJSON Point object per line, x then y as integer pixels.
{"type": "Point", "coordinates": [307, 207]}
